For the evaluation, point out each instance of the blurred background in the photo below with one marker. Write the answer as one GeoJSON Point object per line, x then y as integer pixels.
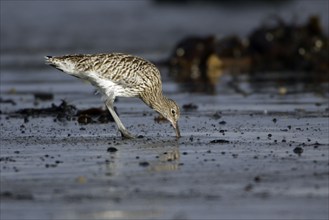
{"type": "Point", "coordinates": [198, 41]}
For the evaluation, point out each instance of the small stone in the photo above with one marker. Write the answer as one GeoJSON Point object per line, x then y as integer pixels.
{"type": "Point", "coordinates": [43, 96]}
{"type": "Point", "coordinates": [298, 150]}
{"type": "Point", "coordinates": [112, 149]}
{"type": "Point", "coordinates": [144, 164]}
{"type": "Point", "coordinates": [190, 107]}
{"type": "Point", "coordinates": [6, 194]}
{"type": "Point", "coordinates": [219, 141]}
{"type": "Point", "coordinates": [257, 179]}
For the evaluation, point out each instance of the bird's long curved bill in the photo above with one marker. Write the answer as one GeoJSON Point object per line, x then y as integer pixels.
{"type": "Point", "coordinates": [177, 130]}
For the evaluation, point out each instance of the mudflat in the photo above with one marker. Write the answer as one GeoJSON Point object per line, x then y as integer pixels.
{"type": "Point", "coordinates": [257, 156]}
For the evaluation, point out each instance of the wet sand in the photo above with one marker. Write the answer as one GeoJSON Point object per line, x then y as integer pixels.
{"type": "Point", "coordinates": [250, 155]}
{"type": "Point", "coordinates": [261, 156]}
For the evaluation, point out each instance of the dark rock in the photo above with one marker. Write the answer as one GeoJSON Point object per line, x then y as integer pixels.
{"type": "Point", "coordinates": [43, 96]}
{"type": "Point", "coordinates": [298, 150]}
{"type": "Point", "coordinates": [190, 107]}
{"type": "Point", "coordinates": [144, 164]}
{"type": "Point", "coordinates": [112, 149]}
{"type": "Point", "coordinates": [219, 141]}
{"type": "Point", "coordinates": [9, 101]}
{"type": "Point", "coordinates": [62, 111]}
{"type": "Point", "coordinates": [257, 179]}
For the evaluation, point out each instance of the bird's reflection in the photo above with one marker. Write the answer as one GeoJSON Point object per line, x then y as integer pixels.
{"type": "Point", "coordinates": [168, 159]}
{"type": "Point", "coordinates": [111, 165]}
{"type": "Point", "coordinates": [159, 155]}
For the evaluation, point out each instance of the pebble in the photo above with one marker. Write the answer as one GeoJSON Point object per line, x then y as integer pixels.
{"type": "Point", "coordinates": [219, 141]}
{"type": "Point", "coordinates": [144, 164]}
{"type": "Point", "coordinates": [298, 150]}
{"type": "Point", "coordinates": [112, 149]}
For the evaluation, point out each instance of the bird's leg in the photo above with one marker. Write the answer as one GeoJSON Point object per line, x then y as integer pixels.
{"type": "Point", "coordinates": [124, 132]}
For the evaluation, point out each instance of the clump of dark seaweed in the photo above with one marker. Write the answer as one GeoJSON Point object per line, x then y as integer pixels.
{"type": "Point", "coordinates": [68, 112]}
{"type": "Point", "coordinates": [300, 49]}
{"type": "Point", "coordinates": [61, 111]}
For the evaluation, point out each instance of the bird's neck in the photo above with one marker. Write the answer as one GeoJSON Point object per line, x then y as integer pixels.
{"type": "Point", "coordinates": [155, 100]}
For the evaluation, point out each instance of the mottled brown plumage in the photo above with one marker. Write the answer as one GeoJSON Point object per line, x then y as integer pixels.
{"type": "Point", "coordinates": [116, 75]}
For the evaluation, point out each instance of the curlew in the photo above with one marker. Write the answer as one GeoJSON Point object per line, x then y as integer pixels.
{"type": "Point", "coordinates": [120, 75]}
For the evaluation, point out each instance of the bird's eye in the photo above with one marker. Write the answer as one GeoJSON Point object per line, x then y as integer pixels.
{"type": "Point", "coordinates": [173, 111]}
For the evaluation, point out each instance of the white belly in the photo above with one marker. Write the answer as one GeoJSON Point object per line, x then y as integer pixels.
{"type": "Point", "coordinates": [108, 88]}
{"type": "Point", "coordinates": [112, 90]}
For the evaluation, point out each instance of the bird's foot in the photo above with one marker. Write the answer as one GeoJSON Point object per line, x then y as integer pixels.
{"type": "Point", "coordinates": [127, 135]}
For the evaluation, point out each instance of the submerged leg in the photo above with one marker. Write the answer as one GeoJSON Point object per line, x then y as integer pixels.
{"type": "Point", "coordinates": [124, 132]}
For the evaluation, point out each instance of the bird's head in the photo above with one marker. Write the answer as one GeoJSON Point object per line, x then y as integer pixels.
{"type": "Point", "coordinates": [172, 114]}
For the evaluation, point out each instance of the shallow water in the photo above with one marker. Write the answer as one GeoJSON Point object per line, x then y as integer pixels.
{"type": "Point", "coordinates": [238, 155]}
{"type": "Point", "coordinates": [63, 170]}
